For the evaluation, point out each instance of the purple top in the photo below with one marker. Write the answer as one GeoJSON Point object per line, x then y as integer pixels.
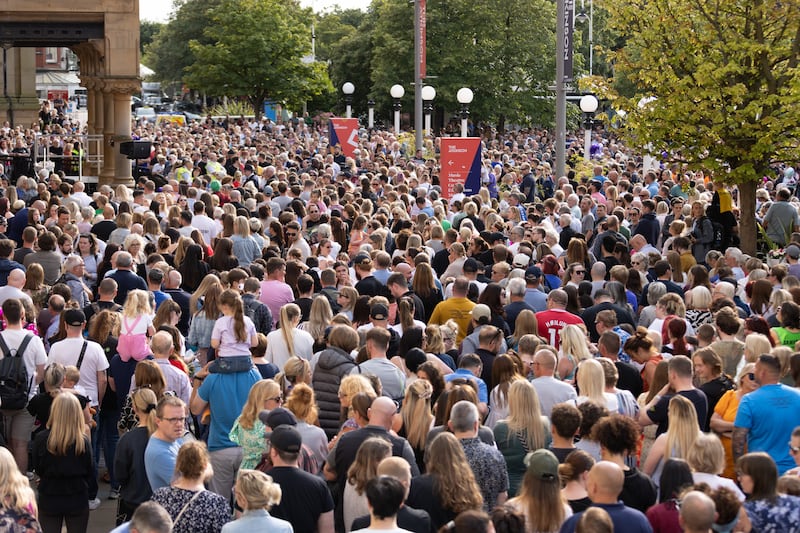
{"type": "Point", "coordinates": [229, 345]}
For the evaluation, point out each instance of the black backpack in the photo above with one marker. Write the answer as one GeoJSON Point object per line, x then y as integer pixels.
{"type": "Point", "coordinates": [14, 383]}
{"type": "Point", "coordinates": [719, 236]}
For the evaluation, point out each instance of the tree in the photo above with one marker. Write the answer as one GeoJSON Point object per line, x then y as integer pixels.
{"type": "Point", "coordinates": [147, 31]}
{"type": "Point", "coordinates": [259, 50]}
{"type": "Point", "coordinates": [725, 77]}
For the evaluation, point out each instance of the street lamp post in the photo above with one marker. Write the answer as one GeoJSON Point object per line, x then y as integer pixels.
{"type": "Point", "coordinates": [371, 113]}
{"type": "Point", "coordinates": [589, 107]}
{"type": "Point", "coordinates": [397, 92]}
{"type": "Point", "coordinates": [582, 17]}
{"type": "Point", "coordinates": [464, 97]}
{"type": "Point", "coordinates": [428, 94]}
{"type": "Point", "coordinates": [348, 89]}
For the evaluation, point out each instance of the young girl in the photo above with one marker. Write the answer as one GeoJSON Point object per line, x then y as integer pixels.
{"type": "Point", "coordinates": [233, 336]}
{"type": "Point", "coordinates": [357, 236]}
{"type": "Point", "coordinates": [137, 326]}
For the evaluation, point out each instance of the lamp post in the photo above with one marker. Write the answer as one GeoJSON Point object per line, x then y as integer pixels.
{"type": "Point", "coordinates": [397, 93]}
{"type": "Point", "coordinates": [464, 97]}
{"type": "Point", "coordinates": [348, 89]}
{"type": "Point", "coordinates": [589, 107]}
{"type": "Point", "coordinates": [428, 94]}
{"type": "Point", "coordinates": [6, 47]}
{"type": "Point", "coordinates": [648, 161]}
{"type": "Point", "coordinates": [371, 113]}
{"type": "Point", "coordinates": [583, 17]}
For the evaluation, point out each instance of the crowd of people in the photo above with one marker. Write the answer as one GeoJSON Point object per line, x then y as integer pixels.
{"type": "Point", "coordinates": [266, 334]}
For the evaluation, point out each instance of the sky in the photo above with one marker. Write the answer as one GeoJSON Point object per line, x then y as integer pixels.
{"type": "Point", "coordinates": [158, 10]}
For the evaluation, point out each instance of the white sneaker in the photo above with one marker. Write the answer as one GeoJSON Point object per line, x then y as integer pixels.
{"type": "Point", "coordinates": [94, 504]}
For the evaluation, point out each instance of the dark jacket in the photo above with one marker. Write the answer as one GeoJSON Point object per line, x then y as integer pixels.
{"type": "Point", "coordinates": [648, 228]}
{"type": "Point", "coordinates": [414, 520]}
{"type": "Point", "coordinates": [333, 364]}
{"type": "Point", "coordinates": [6, 266]}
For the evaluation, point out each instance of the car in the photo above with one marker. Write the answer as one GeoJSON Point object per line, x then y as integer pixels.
{"type": "Point", "coordinates": [145, 114]}
{"type": "Point", "coordinates": [136, 102]}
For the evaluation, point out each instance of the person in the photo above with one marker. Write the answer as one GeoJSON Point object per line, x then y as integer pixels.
{"type": "Point", "coordinates": [306, 501]}
{"type": "Point", "coordinates": [17, 341]}
{"type": "Point", "coordinates": [392, 379]}
{"type": "Point", "coordinates": [595, 520]}
{"type": "Point", "coordinates": [248, 430]}
{"type": "Point", "coordinates": [725, 413]}
{"type": "Point", "coordinates": [766, 508]}
{"type": "Point", "coordinates": [18, 509]}
{"type": "Point", "coordinates": [233, 336]}
{"type": "Point", "coordinates": [288, 341]}
{"type": "Point", "coordinates": [126, 279]}
{"type": "Point", "coordinates": [767, 415]}
{"type": "Point", "coordinates": [555, 318]}
{"type": "Point", "coordinates": [256, 493]}
{"type": "Point", "coordinates": [573, 471]}
{"type": "Point", "coordinates": [177, 381]}
{"type": "Point", "coordinates": [458, 307]}
{"type": "Point", "coordinates": [550, 390]}
{"type": "Point", "coordinates": [604, 484]}
{"type": "Point", "coordinates": [331, 366]}
{"type": "Point", "coordinates": [149, 517]}
{"type": "Point", "coordinates": [526, 429]}
{"type": "Point", "coordinates": [565, 421]}
{"type": "Point", "coordinates": [193, 509]}
{"type": "Point", "coordinates": [675, 477]}
{"type": "Point", "coordinates": [275, 292]}
{"type": "Point", "coordinates": [782, 218]}
{"type": "Point", "coordinates": [698, 512]}
{"type": "Point", "coordinates": [713, 383]}
{"type": "Point", "coordinates": [62, 458]}
{"type": "Point", "coordinates": [680, 381]}
{"type": "Point", "coordinates": [679, 438]}
{"type": "Point", "coordinates": [413, 520]}
{"type": "Point", "coordinates": [371, 452]}
{"type": "Point", "coordinates": [707, 459]}
{"type": "Point", "coordinates": [486, 461]}
{"type": "Point", "coordinates": [165, 441]}
{"type": "Point", "coordinates": [129, 465]}
{"type": "Point", "coordinates": [415, 418]}
{"type": "Point", "coordinates": [385, 496]}
{"type": "Point", "coordinates": [540, 498]}
{"type": "Point", "coordinates": [448, 487]}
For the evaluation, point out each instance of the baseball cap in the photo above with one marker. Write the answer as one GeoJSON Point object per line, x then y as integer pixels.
{"type": "Point", "coordinates": [277, 417]}
{"type": "Point", "coordinates": [286, 439]}
{"type": "Point", "coordinates": [74, 317]}
{"type": "Point", "coordinates": [363, 260]}
{"type": "Point", "coordinates": [379, 312]}
{"type": "Point", "coordinates": [521, 260]}
{"type": "Point", "coordinates": [793, 251]}
{"type": "Point", "coordinates": [542, 464]}
{"type": "Point", "coordinates": [215, 185]}
{"type": "Point", "coordinates": [481, 310]}
{"type": "Point", "coordinates": [470, 265]}
{"type": "Point", "coordinates": [533, 272]}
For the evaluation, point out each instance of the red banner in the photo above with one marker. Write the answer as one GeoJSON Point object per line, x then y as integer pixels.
{"type": "Point", "coordinates": [422, 28]}
{"type": "Point", "coordinates": [344, 132]}
{"type": "Point", "coordinates": [461, 163]}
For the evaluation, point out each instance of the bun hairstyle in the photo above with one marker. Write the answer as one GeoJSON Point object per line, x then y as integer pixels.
{"type": "Point", "coordinates": [575, 464]}
{"type": "Point", "coordinates": [302, 403]}
{"type": "Point", "coordinates": [638, 341]}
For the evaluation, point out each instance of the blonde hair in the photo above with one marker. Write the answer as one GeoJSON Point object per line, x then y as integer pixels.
{"type": "Point", "coordinates": [365, 467]}
{"type": "Point", "coordinates": [756, 344]}
{"type": "Point", "coordinates": [137, 303]}
{"type": "Point", "coordinates": [259, 393]}
{"type": "Point", "coordinates": [144, 402]}
{"type": "Point", "coordinates": [289, 313]}
{"type": "Point", "coordinates": [257, 489]}
{"type": "Point", "coordinates": [416, 412]}
{"type": "Point", "coordinates": [592, 380]}
{"type": "Point", "coordinates": [683, 428]}
{"type": "Point", "coordinates": [66, 424]}
{"type": "Point", "coordinates": [294, 368]}
{"type": "Point", "coordinates": [15, 490]}
{"type": "Point", "coordinates": [453, 480]}
{"type": "Point", "coordinates": [302, 403]}
{"type": "Point", "coordinates": [525, 414]}
{"type": "Point", "coordinates": [573, 342]}
{"type": "Point", "coordinates": [707, 455]}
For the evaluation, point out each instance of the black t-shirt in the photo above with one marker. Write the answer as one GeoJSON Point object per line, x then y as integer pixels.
{"type": "Point", "coordinates": [638, 491]}
{"type": "Point", "coordinates": [659, 412]}
{"type": "Point", "coordinates": [304, 498]}
{"type": "Point", "coordinates": [370, 286]}
{"type": "Point", "coordinates": [630, 379]}
{"type": "Point", "coordinates": [581, 505]}
{"type": "Point", "coordinates": [561, 454]}
{"type": "Point", "coordinates": [102, 230]}
{"type": "Point", "coordinates": [714, 390]}
{"type": "Point", "coordinates": [409, 519]}
{"type": "Point", "coordinates": [422, 496]}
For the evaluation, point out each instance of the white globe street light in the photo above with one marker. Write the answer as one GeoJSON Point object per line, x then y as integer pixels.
{"type": "Point", "coordinates": [428, 94]}
{"type": "Point", "coordinates": [397, 92]}
{"type": "Point", "coordinates": [348, 89]}
{"type": "Point", "coordinates": [588, 105]}
{"type": "Point", "coordinates": [464, 97]}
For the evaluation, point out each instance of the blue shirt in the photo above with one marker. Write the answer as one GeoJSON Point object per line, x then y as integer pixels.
{"type": "Point", "coordinates": [226, 395]}
{"type": "Point", "coordinates": [483, 392]}
{"type": "Point", "coordinates": [257, 520]}
{"type": "Point", "coordinates": [159, 459]}
{"type": "Point", "coordinates": [536, 299]}
{"type": "Point", "coordinates": [160, 297]}
{"type": "Point", "coordinates": [624, 519]}
{"type": "Point", "coordinates": [770, 413]}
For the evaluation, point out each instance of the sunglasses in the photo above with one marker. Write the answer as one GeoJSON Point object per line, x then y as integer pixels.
{"type": "Point", "coordinates": [793, 449]}
{"type": "Point", "coordinates": [580, 272]}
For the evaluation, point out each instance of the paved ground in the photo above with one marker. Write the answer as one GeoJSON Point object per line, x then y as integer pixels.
{"type": "Point", "coordinates": [102, 520]}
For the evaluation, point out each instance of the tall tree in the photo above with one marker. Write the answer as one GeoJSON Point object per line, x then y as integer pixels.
{"type": "Point", "coordinates": [259, 51]}
{"type": "Point", "coordinates": [147, 31]}
{"type": "Point", "coordinates": [725, 77]}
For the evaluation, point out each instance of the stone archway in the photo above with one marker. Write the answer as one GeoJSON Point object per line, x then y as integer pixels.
{"type": "Point", "coordinates": [105, 36]}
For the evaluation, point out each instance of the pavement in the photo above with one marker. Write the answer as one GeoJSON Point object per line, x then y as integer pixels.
{"type": "Point", "coordinates": [103, 519]}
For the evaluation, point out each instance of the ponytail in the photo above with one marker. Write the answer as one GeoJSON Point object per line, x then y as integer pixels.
{"type": "Point", "coordinates": [231, 299]}
{"type": "Point", "coordinates": [405, 310]}
{"type": "Point", "coordinates": [288, 313]}
{"type": "Point", "coordinates": [144, 401]}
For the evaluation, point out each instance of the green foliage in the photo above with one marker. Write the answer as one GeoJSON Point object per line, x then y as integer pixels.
{"type": "Point", "coordinates": [255, 49]}
{"type": "Point", "coordinates": [726, 78]}
{"type": "Point", "coordinates": [234, 108]}
{"type": "Point", "coordinates": [147, 31]}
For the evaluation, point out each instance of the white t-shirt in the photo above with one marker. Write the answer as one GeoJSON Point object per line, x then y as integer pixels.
{"type": "Point", "coordinates": [67, 351]}
{"type": "Point", "coordinates": [127, 322]}
{"type": "Point", "coordinates": [34, 355]}
{"type": "Point", "coordinates": [206, 226]}
{"type": "Point", "coordinates": [278, 352]}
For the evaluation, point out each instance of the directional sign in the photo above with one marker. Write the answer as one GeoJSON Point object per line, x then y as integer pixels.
{"type": "Point", "coordinates": [344, 132]}
{"type": "Point", "coordinates": [461, 163]}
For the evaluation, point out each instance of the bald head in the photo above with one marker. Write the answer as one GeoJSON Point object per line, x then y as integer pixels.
{"type": "Point", "coordinates": [545, 362]}
{"type": "Point", "coordinates": [16, 278]}
{"type": "Point", "coordinates": [698, 512]}
{"type": "Point", "coordinates": [161, 344]}
{"type": "Point", "coordinates": [174, 279]}
{"type": "Point", "coordinates": [605, 482]}
{"type": "Point", "coordinates": [381, 412]}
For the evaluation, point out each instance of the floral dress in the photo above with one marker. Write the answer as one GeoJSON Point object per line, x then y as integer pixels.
{"type": "Point", "coordinates": [252, 442]}
{"type": "Point", "coordinates": [779, 516]}
{"type": "Point", "coordinates": [207, 513]}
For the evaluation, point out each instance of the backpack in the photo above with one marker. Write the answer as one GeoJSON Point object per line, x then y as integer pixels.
{"type": "Point", "coordinates": [719, 236]}
{"type": "Point", "coordinates": [14, 382]}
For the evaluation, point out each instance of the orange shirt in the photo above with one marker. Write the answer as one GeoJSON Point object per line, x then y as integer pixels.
{"type": "Point", "coordinates": [726, 407]}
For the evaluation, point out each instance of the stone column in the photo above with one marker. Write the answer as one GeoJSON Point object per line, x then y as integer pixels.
{"type": "Point", "coordinates": [121, 90]}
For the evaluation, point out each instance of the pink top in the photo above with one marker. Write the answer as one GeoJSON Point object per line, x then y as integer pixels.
{"type": "Point", "coordinates": [275, 294]}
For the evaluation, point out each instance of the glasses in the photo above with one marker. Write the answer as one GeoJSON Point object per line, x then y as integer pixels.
{"type": "Point", "coordinates": [176, 420]}
{"type": "Point", "coordinates": [276, 399]}
{"type": "Point", "coordinates": [291, 234]}
{"type": "Point", "coordinates": [751, 376]}
{"type": "Point", "coordinates": [793, 449]}
{"type": "Point", "coordinates": [580, 272]}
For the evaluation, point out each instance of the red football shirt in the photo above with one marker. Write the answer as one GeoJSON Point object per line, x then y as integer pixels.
{"type": "Point", "coordinates": [552, 321]}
